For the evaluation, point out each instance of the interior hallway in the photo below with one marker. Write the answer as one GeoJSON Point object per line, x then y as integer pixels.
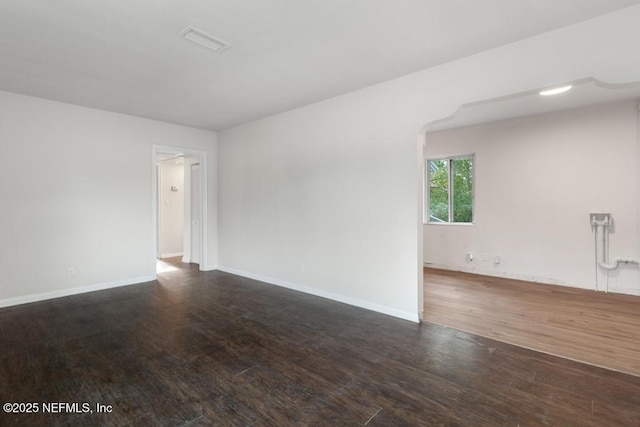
{"type": "Point", "coordinates": [595, 328]}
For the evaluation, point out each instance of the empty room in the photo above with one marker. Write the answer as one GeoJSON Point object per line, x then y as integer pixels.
{"type": "Point", "coordinates": [320, 213]}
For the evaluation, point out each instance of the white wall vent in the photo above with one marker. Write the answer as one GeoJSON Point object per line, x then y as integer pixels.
{"type": "Point", "coordinates": [203, 39]}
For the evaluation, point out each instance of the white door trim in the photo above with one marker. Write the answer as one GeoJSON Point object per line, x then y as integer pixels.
{"type": "Point", "coordinates": [198, 258]}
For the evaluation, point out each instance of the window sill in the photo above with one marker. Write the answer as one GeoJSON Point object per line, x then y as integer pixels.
{"type": "Point", "coordinates": [445, 224]}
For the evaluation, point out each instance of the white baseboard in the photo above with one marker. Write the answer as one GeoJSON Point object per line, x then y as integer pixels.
{"type": "Point", "coordinates": [73, 291]}
{"type": "Point", "coordinates": [506, 275]}
{"type": "Point", "coordinates": [170, 255]}
{"type": "Point", "coordinates": [208, 268]}
{"type": "Point", "coordinates": [405, 315]}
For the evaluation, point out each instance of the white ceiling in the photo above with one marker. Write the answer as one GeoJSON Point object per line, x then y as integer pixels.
{"type": "Point", "coordinates": [584, 93]}
{"type": "Point", "coordinates": [127, 56]}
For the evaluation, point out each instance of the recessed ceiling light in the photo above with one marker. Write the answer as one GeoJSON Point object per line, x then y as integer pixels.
{"type": "Point", "coordinates": [556, 90]}
{"type": "Point", "coordinates": [203, 39]}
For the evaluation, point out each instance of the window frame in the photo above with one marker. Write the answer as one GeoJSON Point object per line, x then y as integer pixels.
{"type": "Point", "coordinates": [427, 193]}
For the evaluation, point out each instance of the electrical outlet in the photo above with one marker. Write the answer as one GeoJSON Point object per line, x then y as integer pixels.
{"type": "Point", "coordinates": [497, 260]}
{"type": "Point", "coordinates": [71, 272]}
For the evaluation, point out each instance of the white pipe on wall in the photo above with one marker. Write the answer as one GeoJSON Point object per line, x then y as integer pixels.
{"type": "Point", "coordinates": [602, 248]}
{"type": "Point", "coordinates": [617, 261]}
{"type": "Point", "coordinates": [602, 227]}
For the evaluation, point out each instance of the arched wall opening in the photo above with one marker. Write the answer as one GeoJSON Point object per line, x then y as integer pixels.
{"type": "Point", "coordinates": [481, 247]}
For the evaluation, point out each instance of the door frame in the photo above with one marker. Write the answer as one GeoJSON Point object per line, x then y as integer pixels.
{"type": "Point", "coordinates": [191, 210]}
{"type": "Point", "coordinates": [202, 159]}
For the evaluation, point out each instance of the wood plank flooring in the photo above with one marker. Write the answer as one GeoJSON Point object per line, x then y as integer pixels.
{"type": "Point", "coordinates": [211, 348]}
{"type": "Point", "coordinates": [595, 328]}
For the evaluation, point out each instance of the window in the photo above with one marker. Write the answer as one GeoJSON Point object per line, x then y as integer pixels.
{"type": "Point", "coordinates": [450, 190]}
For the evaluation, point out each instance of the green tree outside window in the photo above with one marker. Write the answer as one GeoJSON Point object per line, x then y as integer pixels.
{"type": "Point", "coordinates": [450, 190]}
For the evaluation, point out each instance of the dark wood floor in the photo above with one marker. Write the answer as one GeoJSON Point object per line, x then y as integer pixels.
{"type": "Point", "coordinates": [215, 349]}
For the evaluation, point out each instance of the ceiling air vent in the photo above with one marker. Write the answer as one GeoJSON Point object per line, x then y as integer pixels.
{"type": "Point", "coordinates": [203, 39]}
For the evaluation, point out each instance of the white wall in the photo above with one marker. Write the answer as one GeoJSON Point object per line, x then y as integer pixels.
{"type": "Point", "coordinates": [536, 181]}
{"type": "Point", "coordinates": [77, 193]}
{"type": "Point", "coordinates": [324, 198]}
{"type": "Point", "coordinates": [171, 213]}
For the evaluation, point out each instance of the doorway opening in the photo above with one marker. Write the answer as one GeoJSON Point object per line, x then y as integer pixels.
{"type": "Point", "coordinates": [526, 262]}
{"type": "Point", "coordinates": [179, 200]}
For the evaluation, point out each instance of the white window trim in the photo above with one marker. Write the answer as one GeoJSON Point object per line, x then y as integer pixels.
{"type": "Point", "coordinates": [427, 191]}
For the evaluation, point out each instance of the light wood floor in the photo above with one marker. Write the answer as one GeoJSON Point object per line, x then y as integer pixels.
{"type": "Point", "coordinates": [595, 328]}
